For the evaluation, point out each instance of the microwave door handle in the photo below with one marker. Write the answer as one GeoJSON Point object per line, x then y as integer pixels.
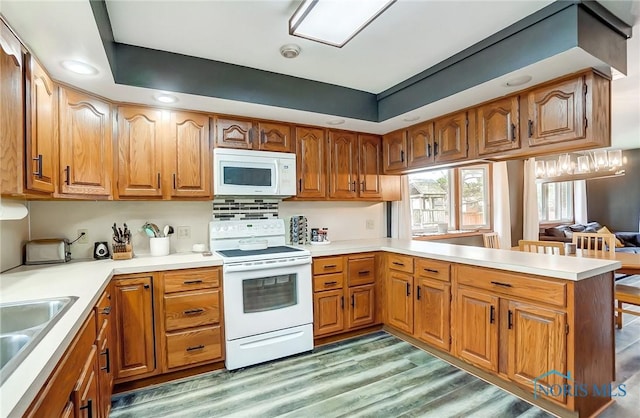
{"type": "Point", "coordinates": [277, 174]}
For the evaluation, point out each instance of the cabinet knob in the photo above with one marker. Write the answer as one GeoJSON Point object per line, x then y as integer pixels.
{"type": "Point", "coordinates": [146, 286]}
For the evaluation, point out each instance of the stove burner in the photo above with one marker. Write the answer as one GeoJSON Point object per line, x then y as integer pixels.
{"type": "Point", "coordinates": [269, 250]}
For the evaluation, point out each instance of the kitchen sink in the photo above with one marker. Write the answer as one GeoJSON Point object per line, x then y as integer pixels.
{"type": "Point", "coordinates": [23, 325]}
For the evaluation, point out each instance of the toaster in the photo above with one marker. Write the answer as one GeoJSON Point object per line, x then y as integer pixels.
{"type": "Point", "coordinates": [47, 251]}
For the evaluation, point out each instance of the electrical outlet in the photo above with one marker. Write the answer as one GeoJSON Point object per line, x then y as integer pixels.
{"type": "Point", "coordinates": [84, 239]}
{"type": "Point", "coordinates": [371, 224]}
{"type": "Point", "coordinates": [184, 232]}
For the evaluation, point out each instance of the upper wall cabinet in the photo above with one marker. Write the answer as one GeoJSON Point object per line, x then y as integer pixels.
{"type": "Point", "coordinates": [41, 139]}
{"type": "Point", "coordinates": [420, 144]}
{"type": "Point", "coordinates": [394, 150]}
{"type": "Point", "coordinates": [310, 162]}
{"type": "Point", "coordinates": [86, 156]}
{"type": "Point", "coordinates": [11, 113]}
{"type": "Point", "coordinates": [250, 134]}
{"type": "Point", "coordinates": [498, 127]}
{"type": "Point", "coordinates": [343, 165]}
{"type": "Point", "coordinates": [370, 166]}
{"type": "Point", "coordinates": [451, 137]}
{"type": "Point", "coordinates": [187, 154]}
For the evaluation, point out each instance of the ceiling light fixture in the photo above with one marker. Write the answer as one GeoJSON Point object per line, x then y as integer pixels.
{"type": "Point", "coordinates": [79, 67]}
{"type": "Point", "coordinates": [334, 122]}
{"type": "Point", "coordinates": [518, 81]}
{"type": "Point", "coordinates": [586, 165]}
{"type": "Point", "coordinates": [411, 118]}
{"type": "Point", "coordinates": [290, 51]}
{"type": "Point", "coordinates": [165, 98]}
{"type": "Point", "coordinates": [334, 22]}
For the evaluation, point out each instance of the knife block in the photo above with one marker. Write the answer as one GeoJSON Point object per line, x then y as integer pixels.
{"type": "Point", "coordinates": [121, 251]}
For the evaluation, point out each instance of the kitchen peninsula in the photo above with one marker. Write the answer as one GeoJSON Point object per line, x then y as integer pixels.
{"type": "Point", "coordinates": [554, 285]}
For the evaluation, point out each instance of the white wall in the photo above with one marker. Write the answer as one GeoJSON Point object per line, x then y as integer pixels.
{"type": "Point", "coordinates": [625, 105]}
{"type": "Point", "coordinates": [13, 235]}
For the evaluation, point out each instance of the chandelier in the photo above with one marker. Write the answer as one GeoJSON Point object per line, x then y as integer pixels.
{"type": "Point", "coordinates": [583, 165]}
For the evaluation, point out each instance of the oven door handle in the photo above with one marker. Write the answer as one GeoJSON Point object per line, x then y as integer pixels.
{"type": "Point", "coordinates": [264, 265]}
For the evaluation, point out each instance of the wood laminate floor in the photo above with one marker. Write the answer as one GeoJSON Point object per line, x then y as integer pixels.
{"type": "Point", "coordinates": [376, 375]}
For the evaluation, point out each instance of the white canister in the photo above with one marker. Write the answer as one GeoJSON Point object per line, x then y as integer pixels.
{"type": "Point", "coordinates": [159, 246]}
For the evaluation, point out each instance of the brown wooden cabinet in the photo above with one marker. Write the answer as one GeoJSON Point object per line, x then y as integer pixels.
{"type": "Point", "coordinates": [432, 312]}
{"type": "Point", "coordinates": [41, 145]}
{"type": "Point", "coordinates": [400, 292]}
{"type": "Point", "coordinates": [85, 393]}
{"type": "Point", "coordinates": [369, 166]}
{"type": "Point", "coordinates": [134, 324]}
{"type": "Point", "coordinates": [420, 145]}
{"type": "Point", "coordinates": [11, 113]}
{"type": "Point", "coordinates": [343, 165]}
{"type": "Point", "coordinates": [394, 151]}
{"type": "Point", "coordinates": [104, 343]}
{"type": "Point", "coordinates": [498, 127]}
{"type": "Point", "coordinates": [85, 146]}
{"type": "Point", "coordinates": [451, 136]}
{"type": "Point", "coordinates": [328, 312]}
{"type": "Point", "coordinates": [252, 134]}
{"type": "Point", "coordinates": [361, 306]}
{"type": "Point", "coordinates": [310, 162]}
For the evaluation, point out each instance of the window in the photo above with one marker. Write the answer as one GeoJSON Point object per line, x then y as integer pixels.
{"type": "Point", "coordinates": [458, 197]}
{"type": "Point", "coordinates": [555, 202]}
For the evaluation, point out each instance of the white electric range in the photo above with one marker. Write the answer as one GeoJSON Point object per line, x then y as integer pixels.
{"type": "Point", "coordinates": [268, 300]}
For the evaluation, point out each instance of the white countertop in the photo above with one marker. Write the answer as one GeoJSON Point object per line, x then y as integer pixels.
{"type": "Point", "coordinates": [84, 279]}
{"type": "Point", "coordinates": [87, 280]}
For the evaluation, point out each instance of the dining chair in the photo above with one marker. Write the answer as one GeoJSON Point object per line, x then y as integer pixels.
{"type": "Point", "coordinates": [543, 247]}
{"type": "Point", "coordinates": [629, 295]}
{"type": "Point", "coordinates": [599, 243]}
{"type": "Point", "coordinates": [491, 240]}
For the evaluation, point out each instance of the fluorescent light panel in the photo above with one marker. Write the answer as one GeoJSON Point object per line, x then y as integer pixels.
{"type": "Point", "coordinates": [334, 22]}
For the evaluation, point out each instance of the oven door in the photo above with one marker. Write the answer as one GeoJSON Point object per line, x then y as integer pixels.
{"type": "Point", "coordinates": [245, 176]}
{"type": "Point", "coordinates": [268, 299]}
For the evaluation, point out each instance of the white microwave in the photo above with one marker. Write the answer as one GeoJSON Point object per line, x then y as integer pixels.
{"type": "Point", "coordinates": [238, 172]}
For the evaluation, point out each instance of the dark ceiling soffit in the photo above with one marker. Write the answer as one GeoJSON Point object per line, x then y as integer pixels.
{"type": "Point", "coordinates": [101, 15]}
{"type": "Point", "coordinates": [598, 39]}
{"type": "Point", "coordinates": [611, 20]}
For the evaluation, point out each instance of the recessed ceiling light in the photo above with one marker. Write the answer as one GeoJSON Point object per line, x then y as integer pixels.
{"type": "Point", "coordinates": [165, 98]}
{"type": "Point", "coordinates": [79, 67]}
{"type": "Point", "coordinates": [334, 122]}
{"type": "Point", "coordinates": [290, 50]}
{"type": "Point", "coordinates": [518, 81]}
{"type": "Point", "coordinates": [411, 118]}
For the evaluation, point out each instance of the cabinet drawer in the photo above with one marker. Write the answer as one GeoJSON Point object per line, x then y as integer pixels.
{"type": "Point", "coordinates": [400, 262]}
{"type": "Point", "coordinates": [190, 347]}
{"type": "Point", "coordinates": [328, 265]}
{"type": "Point", "coordinates": [178, 281]}
{"type": "Point", "coordinates": [327, 282]}
{"type": "Point", "coordinates": [513, 284]}
{"type": "Point", "coordinates": [433, 269]}
{"type": "Point", "coordinates": [189, 309]}
{"type": "Point", "coordinates": [361, 271]}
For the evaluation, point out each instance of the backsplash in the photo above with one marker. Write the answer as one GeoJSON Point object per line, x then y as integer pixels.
{"type": "Point", "coordinates": [243, 209]}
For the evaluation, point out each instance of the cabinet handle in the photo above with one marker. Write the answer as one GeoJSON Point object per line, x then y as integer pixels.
{"type": "Point", "coordinates": [408, 289]}
{"type": "Point", "coordinates": [193, 311]}
{"type": "Point", "coordinates": [492, 315]}
{"type": "Point", "coordinates": [513, 132]}
{"type": "Point", "coordinates": [89, 407]}
{"type": "Point", "coordinates": [146, 286]}
{"type": "Point", "coordinates": [158, 180]}
{"type": "Point", "coordinates": [38, 172]}
{"type": "Point", "coordinates": [435, 149]}
{"type": "Point", "coordinates": [330, 284]}
{"type": "Point", "coordinates": [106, 310]}
{"type": "Point", "coordinates": [174, 181]}
{"type": "Point", "coordinates": [198, 281]}
{"type": "Point", "coordinates": [353, 301]}
{"type": "Point", "coordinates": [300, 185]}
{"type": "Point", "coordinates": [397, 263]}
{"type": "Point", "coordinates": [428, 150]}
{"type": "Point", "coordinates": [510, 320]}
{"type": "Point", "coordinates": [401, 155]}
{"type": "Point", "coordinates": [330, 266]}
{"type": "Point", "coordinates": [418, 293]}
{"type": "Point", "coordinates": [341, 302]}
{"type": "Point", "coordinates": [431, 270]}
{"type": "Point", "coordinates": [196, 347]}
{"type": "Point", "coordinates": [501, 284]}
{"type": "Point", "coordinates": [363, 272]}
{"type": "Point", "coordinates": [67, 175]}
{"type": "Point", "coordinates": [354, 186]}
{"type": "Point", "coordinates": [107, 366]}
{"type": "Point", "coordinates": [251, 135]}
{"type": "Point", "coordinates": [362, 186]}
{"type": "Point", "coordinates": [263, 137]}
{"type": "Point", "coordinates": [530, 128]}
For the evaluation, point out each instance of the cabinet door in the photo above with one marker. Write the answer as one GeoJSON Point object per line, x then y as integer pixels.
{"type": "Point", "coordinates": [498, 128]}
{"type": "Point", "coordinates": [310, 162]}
{"type": "Point", "coordinates": [362, 306]}
{"type": "Point", "coordinates": [104, 343]}
{"type": "Point", "coordinates": [394, 148]}
{"type": "Point", "coordinates": [370, 166]}
{"type": "Point", "coordinates": [140, 136]}
{"type": "Point", "coordinates": [537, 344]}
{"type": "Point", "coordinates": [188, 165]}
{"type": "Point", "coordinates": [275, 137]}
{"type": "Point", "coordinates": [86, 159]}
{"type": "Point", "coordinates": [85, 392]}
{"type": "Point", "coordinates": [451, 135]}
{"type": "Point", "coordinates": [476, 328]}
{"type": "Point", "coordinates": [41, 143]}
{"type": "Point", "coordinates": [343, 171]}
{"type": "Point", "coordinates": [234, 133]}
{"type": "Point", "coordinates": [557, 113]}
{"type": "Point", "coordinates": [420, 144]}
{"type": "Point", "coordinates": [11, 112]}
{"type": "Point", "coordinates": [400, 301]}
{"type": "Point", "coordinates": [433, 307]}
{"type": "Point", "coordinates": [134, 327]}
{"type": "Point", "coordinates": [328, 312]}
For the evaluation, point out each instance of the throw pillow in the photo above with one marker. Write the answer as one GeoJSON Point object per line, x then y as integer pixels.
{"type": "Point", "coordinates": [605, 230]}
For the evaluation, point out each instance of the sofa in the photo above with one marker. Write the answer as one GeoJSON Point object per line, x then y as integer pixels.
{"type": "Point", "coordinates": [629, 241]}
